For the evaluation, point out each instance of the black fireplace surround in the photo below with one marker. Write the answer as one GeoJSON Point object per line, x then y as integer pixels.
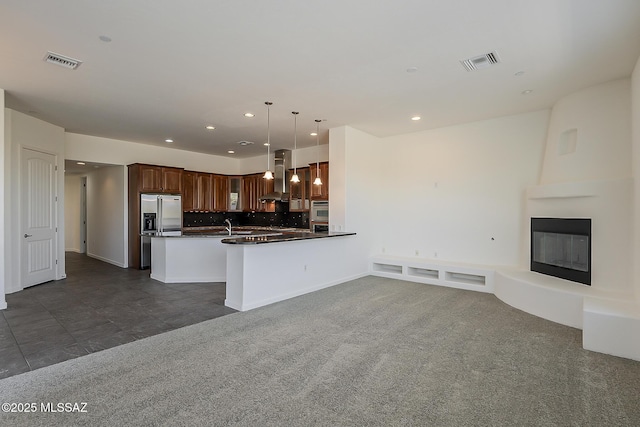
{"type": "Point", "coordinates": [561, 247]}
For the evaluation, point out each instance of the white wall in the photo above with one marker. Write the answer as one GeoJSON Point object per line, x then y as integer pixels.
{"type": "Point", "coordinates": [602, 120]}
{"type": "Point", "coordinates": [594, 181]}
{"type": "Point", "coordinates": [454, 193]}
{"type": "Point", "coordinates": [304, 156]}
{"type": "Point", "coordinates": [72, 212]}
{"type": "Point", "coordinates": [22, 131]}
{"type": "Point", "coordinates": [354, 158]}
{"type": "Point", "coordinates": [107, 215]}
{"type": "Point", "coordinates": [635, 158]}
{"type": "Point", "coordinates": [117, 152]}
{"type": "Point", "coordinates": [5, 202]}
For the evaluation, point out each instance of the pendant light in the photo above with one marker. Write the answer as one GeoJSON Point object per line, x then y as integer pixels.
{"type": "Point", "coordinates": [268, 174]}
{"type": "Point", "coordinates": [295, 178]}
{"type": "Point", "coordinates": [317, 181]}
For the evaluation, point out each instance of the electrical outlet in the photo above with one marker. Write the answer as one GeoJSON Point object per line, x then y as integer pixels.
{"type": "Point", "coordinates": [435, 254]}
{"type": "Point", "coordinates": [417, 252]}
{"type": "Point", "coordinates": [383, 249]}
{"type": "Point", "coordinates": [305, 267]}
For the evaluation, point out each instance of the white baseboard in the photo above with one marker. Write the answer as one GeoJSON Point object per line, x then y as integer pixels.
{"type": "Point", "coordinates": [187, 279]}
{"type": "Point", "coordinates": [110, 261]}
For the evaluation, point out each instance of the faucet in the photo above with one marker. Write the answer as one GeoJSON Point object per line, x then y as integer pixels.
{"type": "Point", "coordinates": [227, 221]}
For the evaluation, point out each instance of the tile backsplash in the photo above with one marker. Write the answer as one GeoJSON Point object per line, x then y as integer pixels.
{"type": "Point", "coordinates": [263, 219]}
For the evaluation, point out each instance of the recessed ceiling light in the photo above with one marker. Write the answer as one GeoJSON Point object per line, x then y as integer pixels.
{"type": "Point", "coordinates": [80, 163]}
{"type": "Point", "coordinates": [266, 144]}
{"type": "Point", "coordinates": [230, 151]}
{"type": "Point", "coordinates": [211, 127]}
{"type": "Point", "coordinates": [416, 118]}
{"type": "Point", "coordinates": [313, 134]}
{"type": "Point", "coordinates": [519, 73]}
{"type": "Point", "coordinates": [526, 92]}
{"type": "Point", "coordinates": [249, 114]}
{"type": "Point", "coordinates": [412, 69]}
{"type": "Point", "coordinates": [105, 39]}
{"type": "Point", "coordinates": [168, 140]}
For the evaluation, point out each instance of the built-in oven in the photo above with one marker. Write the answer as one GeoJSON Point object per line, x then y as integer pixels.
{"type": "Point", "coordinates": [319, 215]}
{"type": "Point", "coordinates": [320, 211]}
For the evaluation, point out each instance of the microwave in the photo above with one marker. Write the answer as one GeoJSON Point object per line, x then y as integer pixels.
{"type": "Point", "coordinates": [319, 211]}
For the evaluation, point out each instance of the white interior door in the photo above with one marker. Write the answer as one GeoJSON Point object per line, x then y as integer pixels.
{"type": "Point", "coordinates": [37, 194]}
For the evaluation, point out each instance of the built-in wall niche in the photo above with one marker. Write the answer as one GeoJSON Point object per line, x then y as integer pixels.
{"type": "Point", "coordinates": [567, 142]}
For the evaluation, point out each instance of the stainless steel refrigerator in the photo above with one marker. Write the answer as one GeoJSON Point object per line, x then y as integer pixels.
{"type": "Point", "coordinates": [160, 214]}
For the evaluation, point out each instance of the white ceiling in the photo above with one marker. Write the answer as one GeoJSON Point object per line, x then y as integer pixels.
{"type": "Point", "coordinates": [174, 67]}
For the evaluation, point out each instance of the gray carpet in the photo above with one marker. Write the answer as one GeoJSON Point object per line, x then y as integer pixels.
{"type": "Point", "coordinates": [369, 352]}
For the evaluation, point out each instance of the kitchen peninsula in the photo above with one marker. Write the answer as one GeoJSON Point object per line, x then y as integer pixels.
{"type": "Point", "coordinates": [198, 254]}
{"type": "Point", "coordinates": [262, 270]}
{"type": "Point", "coordinates": [260, 265]}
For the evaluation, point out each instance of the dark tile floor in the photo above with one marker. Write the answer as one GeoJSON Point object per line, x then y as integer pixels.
{"type": "Point", "coordinates": [96, 307]}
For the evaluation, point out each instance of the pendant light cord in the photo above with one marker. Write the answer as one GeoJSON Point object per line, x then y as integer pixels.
{"type": "Point", "coordinates": [318, 148]}
{"type": "Point", "coordinates": [295, 139]}
{"type": "Point", "coordinates": [268, 133]}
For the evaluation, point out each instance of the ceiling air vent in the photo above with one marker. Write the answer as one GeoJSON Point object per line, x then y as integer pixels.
{"type": "Point", "coordinates": [245, 143]}
{"type": "Point", "coordinates": [481, 61]}
{"type": "Point", "coordinates": [61, 60]}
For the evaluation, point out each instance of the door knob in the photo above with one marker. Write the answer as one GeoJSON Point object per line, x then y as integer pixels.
{"type": "Point", "coordinates": [27, 235]}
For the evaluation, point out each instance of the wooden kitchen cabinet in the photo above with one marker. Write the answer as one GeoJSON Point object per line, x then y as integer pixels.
{"type": "Point", "coordinates": [143, 178]}
{"type": "Point", "coordinates": [253, 187]}
{"type": "Point", "coordinates": [149, 178]}
{"type": "Point", "coordinates": [171, 180]}
{"type": "Point", "coordinates": [189, 191]}
{"type": "Point", "coordinates": [319, 192]}
{"type": "Point", "coordinates": [204, 187]}
{"type": "Point", "coordinates": [197, 191]}
{"type": "Point", "coordinates": [299, 192]}
{"type": "Point", "coordinates": [220, 198]}
{"type": "Point", "coordinates": [156, 179]}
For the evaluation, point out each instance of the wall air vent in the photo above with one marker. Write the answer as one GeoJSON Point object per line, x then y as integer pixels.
{"type": "Point", "coordinates": [61, 60]}
{"type": "Point", "coordinates": [481, 61]}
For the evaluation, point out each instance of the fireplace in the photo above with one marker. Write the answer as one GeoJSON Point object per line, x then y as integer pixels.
{"type": "Point", "coordinates": [561, 247]}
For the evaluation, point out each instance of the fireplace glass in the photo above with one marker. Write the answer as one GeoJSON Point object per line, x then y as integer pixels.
{"type": "Point", "coordinates": [562, 250]}
{"type": "Point", "coordinates": [561, 247]}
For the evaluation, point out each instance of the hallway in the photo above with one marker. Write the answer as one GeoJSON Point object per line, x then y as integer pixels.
{"type": "Point", "coordinates": [98, 306]}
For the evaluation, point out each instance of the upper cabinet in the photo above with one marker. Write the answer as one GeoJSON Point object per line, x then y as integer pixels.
{"type": "Point", "coordinates": [319, 192]}
{"type": "Point", "coordinates": [253, 187]}
{"type": "Point", "coordinates": [220, 184]}
{"type": "Point", "coordinates": [156, 179]}
{"type": "Point", "coordinates": [189, 191]}
{"type": "Point", "coordinates": [204, 187]}
{"type": "Point", "coordinates": [171, 180]}
{"type": "Point", "coordinates": [299, 192]}
{"type": "Point", "coordinates": [235, 191]}
{"type": "Point", "coordinates": [202, 191]}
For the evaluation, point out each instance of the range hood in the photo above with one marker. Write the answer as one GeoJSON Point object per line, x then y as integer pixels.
{"type": "Point", "coordinates": [282, 160]}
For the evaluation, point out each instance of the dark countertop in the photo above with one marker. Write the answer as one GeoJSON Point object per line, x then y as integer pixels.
{"type": "Point", "coordinates": [239, 231]}
{"type": "Point", "coordinates": [284, 236]}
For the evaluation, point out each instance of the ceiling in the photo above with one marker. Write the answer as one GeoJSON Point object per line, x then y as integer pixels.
{"type": "Point", "coordinates": [168, 69]}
